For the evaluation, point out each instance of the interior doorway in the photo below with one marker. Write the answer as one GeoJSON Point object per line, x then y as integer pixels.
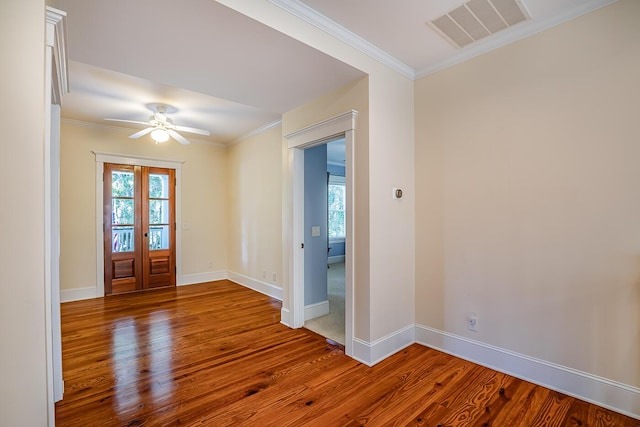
{"type": "Point", "coordinates": [293, 311]}
{"type": "Point", "coordinates": [139, 228]}
{"type": "Point", "coordinates": [325, 202]}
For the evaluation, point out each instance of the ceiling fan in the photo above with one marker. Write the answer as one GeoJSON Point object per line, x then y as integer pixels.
{"type": "Point", "coordinates": [161, 127]}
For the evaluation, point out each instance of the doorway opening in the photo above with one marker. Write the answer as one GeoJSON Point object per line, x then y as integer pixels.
{"type": "Point", "coordinates": [341, 126]}
{"type": "Point", "coordinates": [325, 204]}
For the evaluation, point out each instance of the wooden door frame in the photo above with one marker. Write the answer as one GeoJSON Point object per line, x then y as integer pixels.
{"type": "Point", "coordinates": [148, 255]}
{"type": "Point", "coordinates": [127, 159]}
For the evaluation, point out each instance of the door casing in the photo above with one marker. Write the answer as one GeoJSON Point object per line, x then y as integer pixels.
{"type": "Point", "coordinates": [311, 136]}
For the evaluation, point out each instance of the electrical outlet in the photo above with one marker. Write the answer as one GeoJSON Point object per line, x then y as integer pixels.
{"type": "Point", "coordinates": [210, 264]}
{"type": "Point", "coordinates": [274, 276]}
{"type": "Point", "coordinates": [472, 322]}
{"type": "Point", "coordinates": [264, 274]}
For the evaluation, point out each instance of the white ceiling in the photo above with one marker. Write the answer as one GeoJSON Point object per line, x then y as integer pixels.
{"type": "Point", "coordinates": [232, 75]}
{"type": "Point", "coordinates": [197, 57]}
{"type": "Point", "coordinates": [98, 93]}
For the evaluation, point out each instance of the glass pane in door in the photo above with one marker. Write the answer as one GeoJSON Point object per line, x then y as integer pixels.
{"type": "Point", "coordinates": [158, 186]}
{"type": "Point", "coordinates": [122, 184]}
{"type": "Point", "coordinates": [159, 217]}
{"type": "Point", "coordinates": [122, 211]}
{"type": "Point", "coordinates": [158, 211]}
{"type": "Point", "coordinates": [158, 237]}
{"type": "Point", "coordinates": [123, 239]}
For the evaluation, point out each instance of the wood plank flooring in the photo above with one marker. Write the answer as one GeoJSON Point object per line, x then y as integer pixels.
{"type": "Point", "coordinates": [215, 354]}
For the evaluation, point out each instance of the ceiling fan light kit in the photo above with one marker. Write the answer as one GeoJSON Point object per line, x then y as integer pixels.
{"type": "Point", "coordinates": [159, 135]}
{"type": "Point", "coordinates": [161, 127]}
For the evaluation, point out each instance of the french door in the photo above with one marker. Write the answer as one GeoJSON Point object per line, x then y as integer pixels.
{"type": "Point", "coordinates": [139, 228]}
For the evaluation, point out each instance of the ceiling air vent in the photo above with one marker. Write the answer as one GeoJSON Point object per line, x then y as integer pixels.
{"type": "Point", "coordinates": [477, 19]}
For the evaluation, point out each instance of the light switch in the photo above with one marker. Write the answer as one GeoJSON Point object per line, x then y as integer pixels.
{"type": "Point", "coordinates": [315, 231]}
{"type": "Point", "coordinates": [186, 226]}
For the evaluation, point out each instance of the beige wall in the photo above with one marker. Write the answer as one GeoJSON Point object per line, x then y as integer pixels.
{"type": "Point", "coordinates": [255, 207]}
{"type": "Point", "coordinates": [392, 221]}
{"type": "Point", "coordinates": [388, 281]}
{"type": "Point", "coordinates": [23, 389]}
{"type": "Point", "coordinates": [383, 282]}
{"type": "Point", "coordinates": [528, 205]}
{"type": "Point", "coordinates": [204, 196]}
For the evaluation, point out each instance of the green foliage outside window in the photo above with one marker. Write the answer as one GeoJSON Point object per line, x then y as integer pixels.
{"type": "Point", "coordinates": [336, 201]}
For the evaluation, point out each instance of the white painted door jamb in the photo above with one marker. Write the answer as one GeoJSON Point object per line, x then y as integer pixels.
{"type": "Point", "coordinates": [311, 136]}
{"type": "Point", "coordinates": [56, 85]}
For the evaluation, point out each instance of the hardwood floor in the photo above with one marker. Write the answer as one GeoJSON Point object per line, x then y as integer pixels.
{"type": "Point", "coordinates": [215, 354]}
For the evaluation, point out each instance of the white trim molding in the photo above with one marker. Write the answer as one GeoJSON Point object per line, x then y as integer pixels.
{"type": "Point", "coordinates": [371, 353]}
{"type": "Point", "coordinates": [343, 125]}
{"type": "Point", "coordinates": [285, 317]}
{"type": "Point", "coordinates": [523, 30]}
{"type": "Point", "coordinates": [619, 397]}
{"type": "Point", "coordinates": [193, 279]}
{"type": "Point", "coordinates": [318, 309]}
{"type": "Point", "coordinates": [591, 388]}
{"type": "Point", "coordinates": [335, 259]}
{"type": "Point", "coordinates": [131, 159]}
{"type": "Point", "coordinates": [321, 132]}
{"type": "Point", "coordinates": [56, 85]}
{"type": "Point", "coordinates": [329, 26]}
{"type": "Point", "coordinates": [257, 131]}
{"type": "Point", "coordinates": [78, 294]}
{"type": "Point", "coordinates": [257, 285]}
{"type": "Point", "coordinates": [57, 40]}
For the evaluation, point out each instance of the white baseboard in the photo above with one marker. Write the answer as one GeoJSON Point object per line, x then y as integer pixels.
{"type": "Point", "coordinates": [318, 309]}
{"type": "Point", "coordinates": [257, 285]}
{"type": "Point", "coordinates": [68, 295]}
{"type": "Point", "coordinates": [192, 279]}
{"type": "Point", "coordinates": [372, 353]}
{"type": "Point", "coordinates": [613, 395]}
{"type": "Point", "coordinates": [285, 317]}
{"type": "Point", "coordinates": [335, 259]}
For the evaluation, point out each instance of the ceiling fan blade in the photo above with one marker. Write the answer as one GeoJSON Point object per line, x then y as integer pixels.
{"type": "Point", "coordinates": [128, 121]}
{"type": "Point", "coordinates": [141, 133]}
{"type": "Point", "coordinates": [175, 135]}
{"type": "Point", "coordinates": [193, 130]}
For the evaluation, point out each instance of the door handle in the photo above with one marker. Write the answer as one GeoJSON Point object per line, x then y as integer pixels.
{"type": "Point", "coordinates": [146, 234]}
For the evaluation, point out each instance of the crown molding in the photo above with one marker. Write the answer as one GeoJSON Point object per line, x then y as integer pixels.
{"type": "Point", "coordinates": [517, 32]}
{"type": "Point", "coordinates": [124, 130]}
{"type": "Point", "coordinates": [56, 38]}
{"type": "Point", "coordinates": [256, 132]}
{"type": "Point", "coordinates": [311, 16]}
